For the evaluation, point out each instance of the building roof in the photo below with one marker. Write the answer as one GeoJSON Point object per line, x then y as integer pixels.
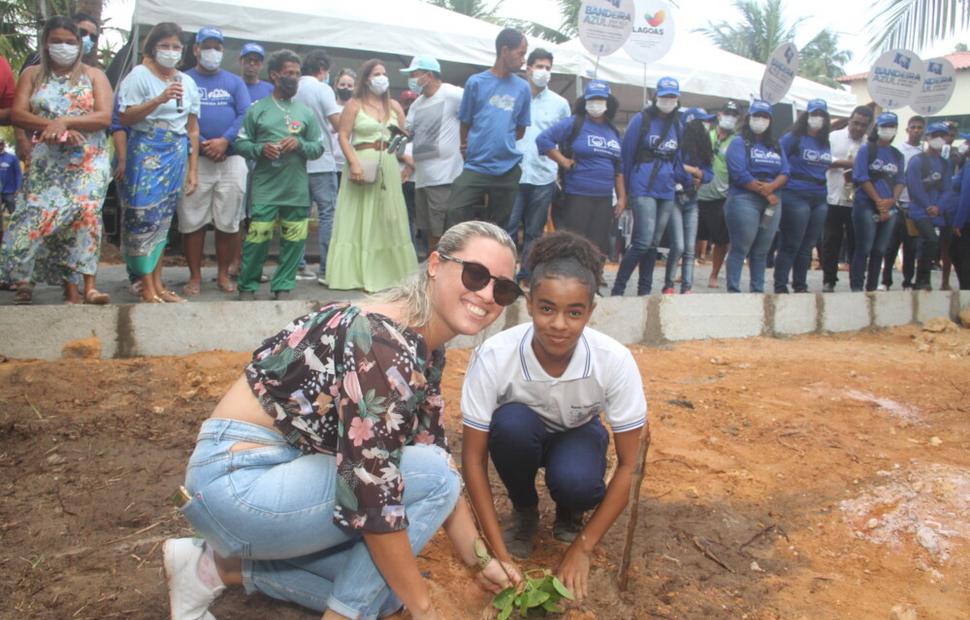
{"type": "Point", "coordinates": [960, 60]}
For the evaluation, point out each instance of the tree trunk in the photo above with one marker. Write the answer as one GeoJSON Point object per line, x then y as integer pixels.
{"type": "Point", "coordinates": [91, 7]}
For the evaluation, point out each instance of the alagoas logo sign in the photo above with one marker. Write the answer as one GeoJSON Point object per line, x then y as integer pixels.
{"type": "Point", "coordinates": [653, 23]}
{"type": "Point", "coordinates": [653, 31]}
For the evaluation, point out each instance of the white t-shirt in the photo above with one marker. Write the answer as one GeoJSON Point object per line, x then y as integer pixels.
{"type": "Point", "coordinates": [601, 376]}
{"type": "Point", "coordinates": [843, 147]}
{"type": "Point", "coordinates": [436, 130]}
{"type": "Point", "coordinates": [908, 150]}
{"type": "Point", "coordinates": [338, 153]}
{"type": "Point", "coordinates": [320, 99]}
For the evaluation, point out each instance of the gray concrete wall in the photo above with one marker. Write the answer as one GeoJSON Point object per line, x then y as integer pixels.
{"type": "Point", "coordinates": [179, 329]}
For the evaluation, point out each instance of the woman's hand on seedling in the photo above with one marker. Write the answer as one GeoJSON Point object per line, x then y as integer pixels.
{"type": "Point", "coordinates": [574, 571]}
{"type": "Point", "coordinates": [496, 576]}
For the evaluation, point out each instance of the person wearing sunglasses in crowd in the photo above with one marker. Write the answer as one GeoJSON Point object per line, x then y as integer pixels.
{"type": "Point", "coordinates": [532, 398]}
{"type": "Point", "coordinates": [325, 468]}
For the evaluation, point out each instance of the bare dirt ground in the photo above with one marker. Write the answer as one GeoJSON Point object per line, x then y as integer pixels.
{"type": "Point", "coordinates": [818, 477]}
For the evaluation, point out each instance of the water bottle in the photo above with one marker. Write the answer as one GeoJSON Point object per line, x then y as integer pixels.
{"type": "Point", "coordinates": [767, 215]}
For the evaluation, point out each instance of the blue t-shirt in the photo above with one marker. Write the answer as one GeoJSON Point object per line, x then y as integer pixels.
{"type": "Point", "coordinates": [494, 107]}
{"type": "Point", "coordinates": [596, 151]}
{"type": "Point", "coordinates": [808, 161]}
{"type": "Point", "coordinates": [760, 164]}
{"type": "Point", "coordinates": [885, 172]}
{"type": "Point", "coordinates": [259, 90]}
{"type": "Point", "coordinates": [961, 197]}
{"type": "Point", "coordinates": [940, 181]}
{"type": "Point", "coordinates": [667, 150]}
{"type": "Point", "coordinates": [10, 174]}
{"type": "Point", "coordinates": [225, 100]}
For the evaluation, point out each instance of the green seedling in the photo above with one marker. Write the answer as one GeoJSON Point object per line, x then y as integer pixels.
{"type": "Point", "coordinates": [534, 596]}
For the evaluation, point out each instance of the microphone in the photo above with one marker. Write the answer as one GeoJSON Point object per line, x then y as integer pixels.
{"type": "Point", "coordinates": [178, 100]}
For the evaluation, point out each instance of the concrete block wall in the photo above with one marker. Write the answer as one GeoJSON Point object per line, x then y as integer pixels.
{"type": "Point", "coordinates": [181, 329]}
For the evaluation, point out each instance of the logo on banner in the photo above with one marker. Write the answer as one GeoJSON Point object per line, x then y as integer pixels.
{"type": "Point", "coordinates": [615, 3]}
{"type": "Point", "coordinates": [656, 19]}
{"type": "Point", "coordinates": [789, 54]}
{"type": "Point", "coordinates": [934, 67]}
{"type": "Point", "coordinates": [902, 60]}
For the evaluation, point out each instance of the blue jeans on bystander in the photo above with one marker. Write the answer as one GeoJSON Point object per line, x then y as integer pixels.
{"type": "Point", "coordinates": [650, 217]}
{"type": "Point", "coordinates": [801, 225]}
{"type": "Point", "coordinates": [743, 212]}
{"type": "Point", "coordinates": [871, 240]}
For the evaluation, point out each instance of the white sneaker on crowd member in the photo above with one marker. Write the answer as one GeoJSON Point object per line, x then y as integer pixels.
{"type": "Point", "coordinates": [192, 577]}
{"type": "Point", "coordinates": [882, 287]}
{"type": "Point", "coordinates": [306, 274]}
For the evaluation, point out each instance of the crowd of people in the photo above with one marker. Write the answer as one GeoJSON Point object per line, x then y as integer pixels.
{"type": "Point", "coordinates": [210, 148]}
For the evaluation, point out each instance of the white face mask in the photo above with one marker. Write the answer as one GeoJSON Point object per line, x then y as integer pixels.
{"type": "Point", "coordinates": [168, 58]}
{"type": "Point", "coordinates": [815, 122]}
{"type": "Point", "coordinates": [63, 54]}
{"type": "Point", "coordinates": [210, 59]}
{"type": "Point", "coordinates": [727, 122]}
{"type": "Point", "coordinates": [937, 144]}
{"type": "Point", "coordinates": [540, 77]}
{"type": "Point", "coordinates": [963, 148]}
{"type": "Point", "coordinates": [886, 133]}
{"type": "Point", "coordinates": [759, 125]}
{"type": "Point", "coordinates": [378, 84]}
{"type": "Point", "coordinates": [666, 104]}
{"type": "Point", "coordinates": [596, 109]}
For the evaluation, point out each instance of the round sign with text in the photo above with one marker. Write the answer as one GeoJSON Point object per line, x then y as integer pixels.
{"type": "Point", "coordinates": [936, 87]}
{"type": "Point", "coordinates": [895, 78]}
{"type": "Point", "coordinates": [605, 25]}
{"type": "Point", "coordinates": [780, 72]}
{"type": "Point", "coordinates": [653, 31]}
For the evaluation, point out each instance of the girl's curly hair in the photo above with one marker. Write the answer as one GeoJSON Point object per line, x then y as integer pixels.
{"type": "Point", "coordinates": [564, 254]}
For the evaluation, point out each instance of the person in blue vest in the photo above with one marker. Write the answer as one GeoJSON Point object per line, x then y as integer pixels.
{"type": "Point", "coordinates": [928, 179]}
{"type": "Point", "coordinates": [878, 178]}
{"type": "Point", "coordinates": [651, 154]}
{"type": "Point", "coordinates": [586, 146]}
{"type": "Point", "coordinates": [757, 169]}
{"type": "Point", "coordinates": [809, 157]}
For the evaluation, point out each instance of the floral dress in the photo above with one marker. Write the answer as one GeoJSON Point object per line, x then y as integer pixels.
{"type": "Point", "coordinates": [55, 234]}
{"type": "Point", "coordinates": [358, 386]}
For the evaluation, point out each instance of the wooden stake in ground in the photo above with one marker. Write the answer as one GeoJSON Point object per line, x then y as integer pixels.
{"type": "Point", "coordinates": [631, 527]}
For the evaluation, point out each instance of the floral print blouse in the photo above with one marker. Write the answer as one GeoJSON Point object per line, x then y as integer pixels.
{"type": "Point", "coordinates": [358, 386]}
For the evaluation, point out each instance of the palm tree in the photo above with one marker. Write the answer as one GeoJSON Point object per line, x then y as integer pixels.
{"type": "Point", "coordinates": [914, 24]}
{"type": "Point", "coordinates": [760, 31]}
{"type": "Point", "coordinates": [822, 61]}
{"type": "Point", "coordinates": [569, 9]}
{"type": "Point", "coordinates": [472, 8]}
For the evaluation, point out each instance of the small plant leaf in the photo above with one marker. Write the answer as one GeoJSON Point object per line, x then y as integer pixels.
{"type": "Point", "coordinates": [553, 608]}
{"type": "Point", "coordinates": [505, 613]}
{"type": "Point", "coordinates": [537, 598]}
{"type": "Point", "coordinates": [561, 589]}
{"type": "Point", "coordinates": [504, 598]}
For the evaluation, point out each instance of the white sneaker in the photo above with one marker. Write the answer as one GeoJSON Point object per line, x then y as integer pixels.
{"type": "Point", "coordinates": [882, 287]}
{"type": "Point", "coordinates": [188, 597]}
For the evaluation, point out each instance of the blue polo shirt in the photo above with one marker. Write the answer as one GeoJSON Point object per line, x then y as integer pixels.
{"type": "Point", "coordinates": [763, 164]}
{"type": "Point", "coordinates": [637, 176]}
{"type": "Point", "coordinates": [940, 181]}
{"type": "Point", "coordinates": [596, 151]}
{"type": "Point", "coordinates": [808, 161]}
{"type": "Point", "coordinates": [494, 107]}
{"type": "Point", "coordinates": [225, 100]}
{"type": "Point", "coordinates": [10, 173]}
{"type": "Point", "coordinates": [548, 108]}
{"type": "Point", "coordinates": [885, 172]}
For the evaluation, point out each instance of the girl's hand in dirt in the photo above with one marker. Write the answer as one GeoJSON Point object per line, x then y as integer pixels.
{"type": "Point", "coordinates": [495, 578]}
{"type": "Point", "coordinates": [574, 572]}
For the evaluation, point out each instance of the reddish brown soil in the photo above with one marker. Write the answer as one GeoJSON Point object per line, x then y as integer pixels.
{"type": "Point", "coordinates": [786, 479]}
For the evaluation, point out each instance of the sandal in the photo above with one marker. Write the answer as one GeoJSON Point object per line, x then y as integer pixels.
{"type": "Point", "coordinates": [190, 290]}
{"type": "Point", "coordinates": [24, 295]}
{"type": "Point", "coordinates": [228, 286]}
{"type": "Point", "coordinates": [154, 300]}
{"type": "Point", "coordinates": [170, 297]}
{"type": "Point", "coordinates": [95, 297]}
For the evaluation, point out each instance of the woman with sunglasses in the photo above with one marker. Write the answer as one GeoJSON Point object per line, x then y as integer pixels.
{"type": "Point", "coordinates": [532, 398]}
{"type": "Point", "coordinates": [325, 468]}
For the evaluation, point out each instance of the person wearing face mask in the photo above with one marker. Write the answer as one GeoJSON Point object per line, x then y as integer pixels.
{"type": "Point", "coordinates": [537, 185]}
{"type": "Point", "coordinates": [343, 88]}
{"type": "Point", "coordinates": [879, 180]}
{"type": "Point", "coordinates": [495, 112]}
{"type": "Point", "coordinates": [161, 105]}
{"type": "Point", "coordinates": [960, 207]}
{"type": "Point", "coordinates": [844, 145]}
{"type": "Point", "coordinates": [757, 169]}
{"type": "Point", "coordinates": [586, 146]}
{"type": "Point", "coordinates": [710, 197]}
{"type": "Point", "coordinates": [280, 134]}
{"type": "Point", "coordinates": [912, 146]}
{"type": "Point", "coordinates": [55, 233]}
{"type": "Point", "coordinates": [433, 122]}
{"type": "Point", "coordinates": [928, 179]}
{"type": "Point", "coordinates": [651, 155]}
{"type": "Point", "coordinates": [371, 244]}
{"type": "Point", "coordinates": [315, 93]}
{"type": "Point", "coordinates": [809, 157]}
{"type": "Point", "coordinates": [218, 200]}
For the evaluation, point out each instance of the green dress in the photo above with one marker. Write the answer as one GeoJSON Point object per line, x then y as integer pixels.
{"type": "Point", "coordinates": [370, 247]}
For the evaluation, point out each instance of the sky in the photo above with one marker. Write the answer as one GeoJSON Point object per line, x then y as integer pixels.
{"type": "Point", "coordinates": [846, 17]}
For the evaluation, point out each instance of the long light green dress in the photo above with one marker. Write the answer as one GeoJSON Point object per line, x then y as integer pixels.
{"type": "Point", "coordinates": [370, 247]}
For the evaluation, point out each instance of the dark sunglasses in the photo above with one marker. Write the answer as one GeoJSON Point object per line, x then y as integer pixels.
{"type": "Point", "coordinates": [475, 277]}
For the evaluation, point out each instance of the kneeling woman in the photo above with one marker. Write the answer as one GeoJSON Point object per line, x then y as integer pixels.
{"type": "Point", "coordinates": [325, 469]}
{"type": "Point", "coordinates": [533, 397]}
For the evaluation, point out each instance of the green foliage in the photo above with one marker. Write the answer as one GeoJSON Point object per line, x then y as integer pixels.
{"type": "Point", "coordinates": [821, 59]}
{"type": "Point", "coordinates": [534, 596]}
{"type": "Point", "coordinates": [472, 8]}
{"type": "Point", "coordinates": [762, 28]}
{"type": "Point", "coordinates": [961, 47]}
{"type": "Point", "coordinates": [915, 24]}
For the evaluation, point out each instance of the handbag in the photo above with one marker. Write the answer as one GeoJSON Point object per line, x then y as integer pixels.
{"type": "Point", "coordinates": [370, 168]}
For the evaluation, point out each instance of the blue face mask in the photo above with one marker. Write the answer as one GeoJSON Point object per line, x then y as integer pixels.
{"type": "Point", "coordinates": [88, 44]}
{"type": "Point", "coordinates": [413, 85]}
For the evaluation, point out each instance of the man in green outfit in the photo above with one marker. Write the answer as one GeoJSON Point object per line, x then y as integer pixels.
{"type": "Point", "coordinates": [280, 135]}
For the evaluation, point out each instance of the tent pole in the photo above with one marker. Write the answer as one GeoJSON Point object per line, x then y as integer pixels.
{"type": "Point", "coordinates": [134, 46]}
{"type": "Point", "coordinates": [596, 67]}
{"type": "Point", "coordinates": [644, 84]}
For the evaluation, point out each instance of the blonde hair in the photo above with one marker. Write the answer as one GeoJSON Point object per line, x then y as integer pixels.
{"type": "Point", "coordinates": [412, 292]}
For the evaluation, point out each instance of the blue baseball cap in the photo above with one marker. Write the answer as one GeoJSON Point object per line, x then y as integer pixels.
{"type": "Point", "coordinates": [817, 105]}
{"type": "Point", "coordinates": [887, 118]}
{"type": "Point", "coordinates": [937, 128]}
{"type": "Point", "coordinates": [667, 86]}
{"type": "Point", "coordinates": [760, 106]}
{"type": "Point", "coordinates": [423, 63]}
{"type": "Point", "coordinates": [692, 114]}
{"type": "Point", "coordinates": [252, 48]}
{"type": "Point", "coordinates": [208, 32]}
{"type": "Point", "coordinates": [597, 88]}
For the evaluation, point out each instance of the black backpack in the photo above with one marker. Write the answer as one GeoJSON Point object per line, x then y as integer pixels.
{"type": "Point", "coordinates": [648, 153]}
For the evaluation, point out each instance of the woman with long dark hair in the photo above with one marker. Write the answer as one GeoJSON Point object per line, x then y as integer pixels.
{"type": "Point", "coordinates": [55, 234]}
{"type": "Point", "coordinates": [586, 146]}
{"type": "Point", "coordinates": [809, 158]}
{"type": "Point", "coordinates": [370, 247]}
{"type": "Point", "coordinates": [697, 157]}
{"type": "Point", "coordinates": [878, 178]}
{"type": "Point", "coordinates": [757, 168]}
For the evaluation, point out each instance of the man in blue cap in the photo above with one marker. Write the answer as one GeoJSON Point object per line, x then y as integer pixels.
{"type": "Point", "coordinates": [904, 233]}
{"type": "Point", "coordinates": [433, 123]}
{"type": "Point", "coordinates": [251, 59]}
{"type": "Point", "coordinates": [221, 189]}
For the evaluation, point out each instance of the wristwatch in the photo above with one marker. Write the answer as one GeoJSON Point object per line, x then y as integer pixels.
{"type": "Point", "coordinates": [481, 553]}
